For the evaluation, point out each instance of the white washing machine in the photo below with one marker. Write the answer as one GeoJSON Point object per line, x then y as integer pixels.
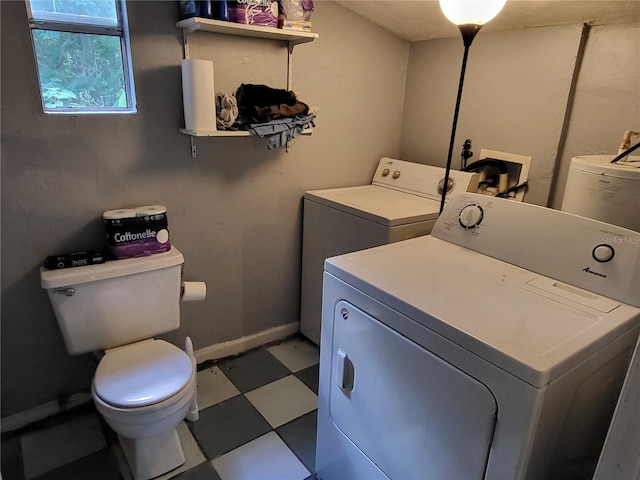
{"type": "Point", "coordinates": [402, 202]}
{"type": "Point", "coordinates": [494, 348]}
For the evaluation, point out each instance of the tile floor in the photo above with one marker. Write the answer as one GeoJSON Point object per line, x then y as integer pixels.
{"type": "Point", "coordinates": [257, 421]}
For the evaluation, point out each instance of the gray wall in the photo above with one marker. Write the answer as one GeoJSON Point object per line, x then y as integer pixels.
{"type": "Point", "coordinates": [515, 92]}
{"type": "Point", "coordinates": [517, 98]}
{"type": "Point", "coordinates": [607, 98]}
{"type": "Point", "coordinates": [234, 211]}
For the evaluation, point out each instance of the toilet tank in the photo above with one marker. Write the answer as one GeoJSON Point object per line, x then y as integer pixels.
{"type": "Point", "coordinates": [117, 302]}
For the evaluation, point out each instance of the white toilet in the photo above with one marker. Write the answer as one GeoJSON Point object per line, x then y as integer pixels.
{"type": "Point", "coordinates": [143, 387]}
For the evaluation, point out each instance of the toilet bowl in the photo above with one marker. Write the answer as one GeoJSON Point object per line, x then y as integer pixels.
{"type": "Point", "coordinates": [143, 391]}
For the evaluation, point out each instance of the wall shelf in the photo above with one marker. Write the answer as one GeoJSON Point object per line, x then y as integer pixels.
{"type": "Point", "coordinates": [224, 133]}
{"type": "Point", "coordinates": [228, 133]}
{"type": "Point", "coordinates": [292, 37]}
{"type": "Point", "coordinates": [215, 133]}
{"type": "Point", "coordinates": [216, 26]}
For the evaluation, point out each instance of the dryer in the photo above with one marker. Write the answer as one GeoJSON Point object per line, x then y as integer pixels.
{"type": "Point", "coordinates": [494, 348]}
{"type": "Point", "coordinates": [620, 457]}
{"type": "Point", "coordinates": [402, 202]}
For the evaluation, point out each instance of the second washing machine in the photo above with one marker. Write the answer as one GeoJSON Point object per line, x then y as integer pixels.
{"type": "Point", "coordinates": [402, 202]}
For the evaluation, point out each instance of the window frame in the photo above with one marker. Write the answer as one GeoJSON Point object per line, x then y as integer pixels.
{"type": "Point", "coordinates": [78, 24]}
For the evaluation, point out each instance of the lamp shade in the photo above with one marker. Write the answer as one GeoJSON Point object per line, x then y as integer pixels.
{"type": "Point", "coordinates": [471, 12]}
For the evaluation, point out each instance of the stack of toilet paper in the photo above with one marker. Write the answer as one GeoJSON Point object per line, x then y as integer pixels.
{"type": "Point", "coordinates": [137, 232]}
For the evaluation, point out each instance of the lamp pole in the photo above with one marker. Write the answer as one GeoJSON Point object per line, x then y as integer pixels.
{"type": "Point", "coordinates": [469, 18]}
{"type": "Point", "coordinates": [468, 34]}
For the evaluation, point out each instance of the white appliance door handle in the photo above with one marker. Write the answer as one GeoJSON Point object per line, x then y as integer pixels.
{"type": "Point", "coordinates": [344, 371]}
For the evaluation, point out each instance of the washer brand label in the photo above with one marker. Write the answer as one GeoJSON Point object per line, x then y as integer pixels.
{"type": "Point", "coordinates": [597, 274]}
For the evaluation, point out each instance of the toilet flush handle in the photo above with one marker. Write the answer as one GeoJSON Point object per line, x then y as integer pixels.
{"type": "Point", "coordinates": [69, 291]}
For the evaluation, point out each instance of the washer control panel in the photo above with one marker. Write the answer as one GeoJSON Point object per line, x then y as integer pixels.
{"type": "Point", "coordinates": [587, 253]}
{"type": "Point", "coordinates": [420, 179]}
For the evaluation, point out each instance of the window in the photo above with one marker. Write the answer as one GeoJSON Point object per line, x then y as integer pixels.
{"type": "Point", "coordinates": [82, 55]}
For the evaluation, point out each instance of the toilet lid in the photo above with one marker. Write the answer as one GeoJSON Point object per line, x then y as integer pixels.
{"type": "Point", "coordinates": [142, 374]}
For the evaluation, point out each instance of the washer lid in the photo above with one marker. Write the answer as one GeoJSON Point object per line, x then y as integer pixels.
{"type": "Point", "coordinates": [142, 374]}
{"type": "Point", "coordinates": [381, 205]}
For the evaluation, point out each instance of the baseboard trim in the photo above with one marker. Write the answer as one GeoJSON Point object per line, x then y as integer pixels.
{"type": "Point", "coordinates": [40, 412]}
{"type": "Point", "coordinates": [212, 352]}
{"type": "Point", "coordinates": [239, 345]}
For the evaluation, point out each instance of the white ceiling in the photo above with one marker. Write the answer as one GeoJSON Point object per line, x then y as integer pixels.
{"type": "Point", "coordinates": [417, 20]}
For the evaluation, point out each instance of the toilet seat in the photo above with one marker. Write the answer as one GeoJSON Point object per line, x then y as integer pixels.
{"type": "Point", "coordinates": [142, 374]}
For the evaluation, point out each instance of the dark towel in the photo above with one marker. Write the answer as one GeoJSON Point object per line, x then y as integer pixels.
{"type": "Point", "coordinates": [260, 103]}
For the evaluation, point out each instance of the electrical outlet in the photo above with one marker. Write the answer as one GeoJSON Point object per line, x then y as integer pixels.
{"type": "Point", "coordinates": [518, 167]}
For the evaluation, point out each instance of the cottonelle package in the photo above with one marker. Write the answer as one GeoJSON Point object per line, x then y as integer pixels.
{"type": "Point", "coordinates": [137, 232]}
{"type": "Point", "coordinates": [256, 12]}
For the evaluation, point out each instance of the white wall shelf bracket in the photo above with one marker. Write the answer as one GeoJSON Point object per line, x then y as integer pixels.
{"type": "Point", "coordinates": [194, 150]}
{"type": "Point", "coordinates": [185, 44]}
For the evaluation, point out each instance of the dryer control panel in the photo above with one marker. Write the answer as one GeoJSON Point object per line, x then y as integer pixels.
{"type": "Point", "coordinates": [596, 256]}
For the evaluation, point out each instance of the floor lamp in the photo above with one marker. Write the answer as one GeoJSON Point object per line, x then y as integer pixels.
{"type": "Point", "coordinates": [469, 16]}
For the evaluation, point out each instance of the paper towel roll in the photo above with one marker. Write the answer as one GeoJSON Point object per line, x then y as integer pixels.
{"type": "Point", "coordinates": [198, 94]}
{"type": "Point", "coordinates": [193, 291]}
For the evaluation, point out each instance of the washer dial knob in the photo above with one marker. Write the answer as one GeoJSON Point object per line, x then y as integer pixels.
{"type": "Point", "coordinates": [603, 253]}
{"type": "Point", "coordinates": [471, 216]}
{"type": "Point", "coordinates": [450, 184]}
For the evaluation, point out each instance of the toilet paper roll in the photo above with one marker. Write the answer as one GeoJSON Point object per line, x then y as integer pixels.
{"type": "Point", "coordinates": [119, 214]}
{"type": "Point", "coordinates": [198, 94]}
{"type": "Point", "coordinates": [149, 210]}
{"type": "Point", "coordinates": [193, 291]}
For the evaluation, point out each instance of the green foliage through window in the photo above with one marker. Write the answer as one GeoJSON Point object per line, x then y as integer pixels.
{"type": "Point", "coordinates": [79, 70]}
{"type": "Point", "coordinates": [80, 56]}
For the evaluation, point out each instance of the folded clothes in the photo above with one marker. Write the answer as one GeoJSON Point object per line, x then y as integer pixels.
{"type": "Point", "coordinates": [261, 103]}
{"type": "Point", "coordinates": [280, 131]}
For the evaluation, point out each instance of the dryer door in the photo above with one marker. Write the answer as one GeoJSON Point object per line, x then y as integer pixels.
{"type": "Point", "coordinates": [412, 414]}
